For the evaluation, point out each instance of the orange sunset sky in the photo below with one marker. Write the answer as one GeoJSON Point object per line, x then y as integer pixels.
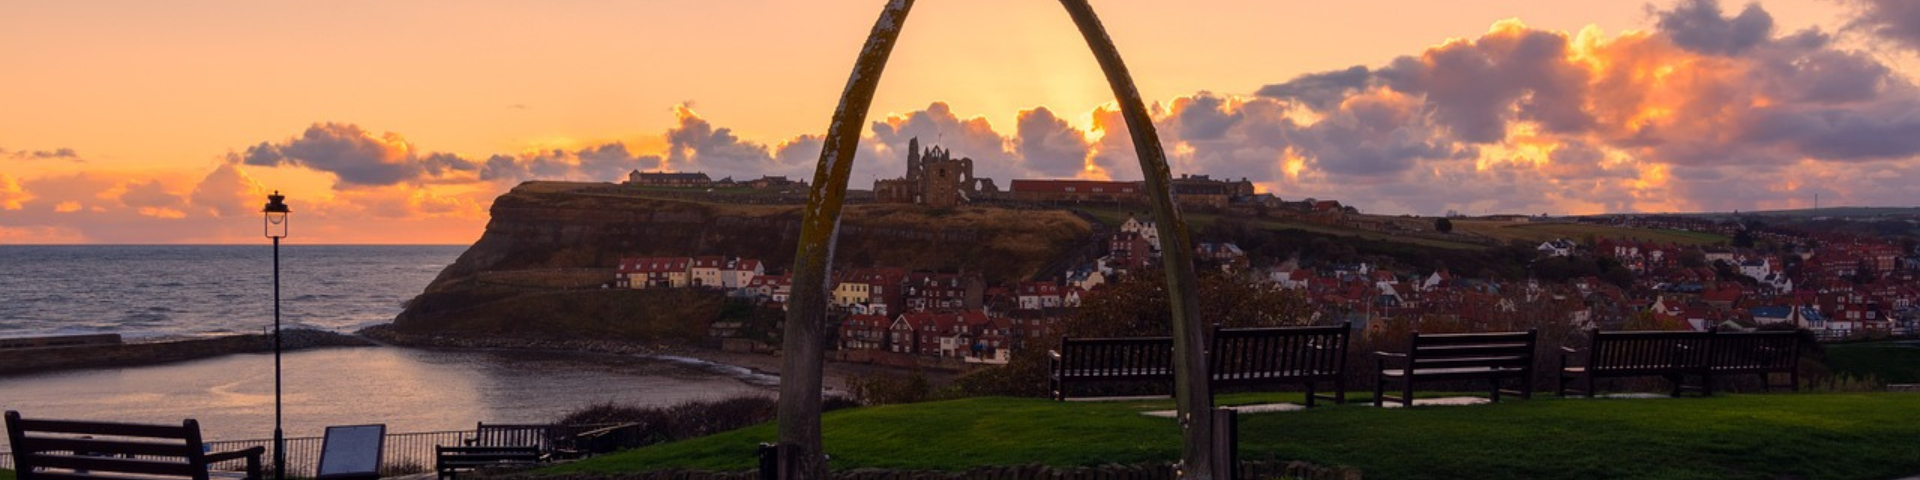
{"type": "Point", "coordinates": [399, 122]}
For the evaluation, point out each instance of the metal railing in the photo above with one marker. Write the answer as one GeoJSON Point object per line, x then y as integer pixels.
{"type": "Point", "coordinates": [404, 453]}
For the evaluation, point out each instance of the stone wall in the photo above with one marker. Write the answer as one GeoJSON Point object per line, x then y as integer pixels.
{"type": "Point", "coordinates": [28, 360]}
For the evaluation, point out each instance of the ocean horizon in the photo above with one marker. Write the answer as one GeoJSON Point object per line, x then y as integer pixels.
{"type": "Point", "coordinates": [160, 291]}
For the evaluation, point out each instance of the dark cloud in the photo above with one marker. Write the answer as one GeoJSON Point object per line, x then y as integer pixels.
{"type": "Point", "coordinates": [1473, 88]}
{"type": "Point", "coordinates": [697, 140]}
{"type": "Point", "coordinates": [1697, 25]}
{"type": "Point", "coordinates": [800, 155]}
{"type": "Point", "coordinates": [1205, 119]}
{"type": "Point", "coordinates": [1373, 137]}
{"type": "Point", "coordinates": [351, 153]}
{"type": "Point", "coordinates": [1049, 146]}
{"type": "Point", "coordinates": [59, 153]}
{"type": "Point", "coordinates": [1823, 76]}
{"type": "Point", "coordinates": [1320, 90]}
{"type": "Point", "coordinates": [1896, 20]}
{"type": "Point", "coordinates": [1890, 131]}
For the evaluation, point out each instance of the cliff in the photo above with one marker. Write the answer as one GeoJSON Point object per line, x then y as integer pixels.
{"type": "Point", "coordinates": [550, 245]}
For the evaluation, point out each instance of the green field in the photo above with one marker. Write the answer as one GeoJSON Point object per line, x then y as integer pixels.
{"type": "Point", "coordinates": [1827, 436]}
{"type": "Point", "coordinates": [1541, 232]}
{"type": "Point", "coordinates": [1195, 221]}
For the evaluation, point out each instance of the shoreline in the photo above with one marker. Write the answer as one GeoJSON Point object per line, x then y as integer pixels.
{"type": "Point", "coordinates": [834, 375]}
{"type": "Point", "coordinates": [28, 361]}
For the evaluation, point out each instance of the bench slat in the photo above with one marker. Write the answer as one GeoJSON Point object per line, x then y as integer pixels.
{"type": "Point", "coordinates": [1463, 356]}
{"type": "Point", "coordinates": [58, 475]}
{"type": "Point", "coordinates": [107, 428]}
{"type": "Point", "coordinates": [111, 464]}
{"type": "Point", "coordinates": [42, 444]}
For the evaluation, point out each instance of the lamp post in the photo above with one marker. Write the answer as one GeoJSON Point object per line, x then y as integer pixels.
{"type": "Point", "coordinates": [276, 229]}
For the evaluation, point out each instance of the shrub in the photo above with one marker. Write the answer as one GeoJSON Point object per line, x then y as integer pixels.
{"type": "Point", "coordinates": [660, 424]}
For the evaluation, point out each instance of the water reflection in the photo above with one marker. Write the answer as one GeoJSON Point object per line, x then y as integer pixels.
{"type": "Point", "coordinates": [407, 389]}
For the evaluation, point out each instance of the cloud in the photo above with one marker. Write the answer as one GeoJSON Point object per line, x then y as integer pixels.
{"type": "Point", "coordinates": [354, 155]}
{"type": "Point", "coordinates": [1710, 110]}
{"type": "Point", "coordinates": [695, 144]}
{"type": "Point", "coordinates": [1049, 146]}
{"type": "Point", "coordinates": [1321, 91]}
{"type": "Point", "coordinates": [227, 192]}
{"type": "Point", "coordinates": [58, 153]}
{"type": "Point", "coordinates": [1697, 25]}
{"type": "Point", "coordinates": [1896, 20]}
{"type": "Point", "coordinates": [12, 195]}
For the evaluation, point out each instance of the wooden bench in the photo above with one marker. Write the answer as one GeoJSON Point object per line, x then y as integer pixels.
{"type": "Point", "coordinates": [1281, 355]}
{"type": "Point", "coordinates": [1759, 353]}
{"type": "Point", "coordinates": [1465, 356]}
{"type": "Point", "coordinates": [448, 461]}
{"type": "Point", "coordinates": [1671, 355]}
{"type": "Point", "coordinates": [513, 435]}
{"type": "Point", "coordinates": [75, 450]}
{"type": "Point", "coordinates": [1085, 360]}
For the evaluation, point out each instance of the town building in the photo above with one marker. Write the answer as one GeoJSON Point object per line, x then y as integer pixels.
{"type": "Point", "coordinates": [668, 179]}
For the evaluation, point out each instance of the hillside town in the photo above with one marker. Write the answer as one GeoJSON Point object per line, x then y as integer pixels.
{"type": "Point", "coordinates": [1833, 284]}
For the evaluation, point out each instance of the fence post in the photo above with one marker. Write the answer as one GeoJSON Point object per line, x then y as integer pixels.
{"type": "Point", "coordinates": [770, 456]}
{"type": "Point", "coordinates": [1226, 444]}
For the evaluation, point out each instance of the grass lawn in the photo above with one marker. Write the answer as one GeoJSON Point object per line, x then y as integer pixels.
{"type": "Point", "coordinates": [1827, 436]}
{"type": "Point", "coordinates": [6, 474]}
{"type": "Point", "coordinates": [1541, 232]}
{"type": "Point", "coordinates": [1891, 362]}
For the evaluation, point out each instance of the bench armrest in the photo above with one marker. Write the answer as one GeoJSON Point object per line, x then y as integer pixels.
{"type": "Point", "coordinates": [234, 455]}
{"type": "Point", "coordinates": [1380, 359]}
{"type": "Point", "coordinates": [1566, 349]}
{"type": "Point", "coordinates": [1053, 355]}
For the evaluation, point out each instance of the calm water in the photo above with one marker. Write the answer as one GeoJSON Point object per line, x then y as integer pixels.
{"type": "Point", "coordinates": [160, 291]}
{"type": "Point", "coordinates": [145, 292]}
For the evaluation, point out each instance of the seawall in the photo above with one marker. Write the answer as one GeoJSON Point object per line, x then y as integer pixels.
{"type": "Point", "coordinates": [15, 361]}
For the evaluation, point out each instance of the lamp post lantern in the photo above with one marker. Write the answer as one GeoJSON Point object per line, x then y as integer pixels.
{"type": "Point", "coordinates": [276, 228]}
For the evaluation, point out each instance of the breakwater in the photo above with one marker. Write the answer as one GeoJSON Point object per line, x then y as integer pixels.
{"type": "Point", "coordinates": [44, 359]}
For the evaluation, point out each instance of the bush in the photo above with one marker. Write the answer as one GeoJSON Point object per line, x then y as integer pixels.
{"type": "Point", "coordinates": [686, 420]}
{"type": "Point", "coordinates": [887, 389]}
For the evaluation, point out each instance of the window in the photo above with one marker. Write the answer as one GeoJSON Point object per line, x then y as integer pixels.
{"type": "Point", "coordinates": [1069, 189]}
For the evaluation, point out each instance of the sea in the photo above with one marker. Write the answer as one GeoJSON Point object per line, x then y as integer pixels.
{"type": "Point", "coordinates": [156, 293]}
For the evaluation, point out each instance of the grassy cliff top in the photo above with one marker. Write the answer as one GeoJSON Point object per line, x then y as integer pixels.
{"type": "Point", "coordinates": [1771, 436]}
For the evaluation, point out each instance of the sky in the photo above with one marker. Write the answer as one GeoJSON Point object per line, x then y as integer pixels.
{"type": "Point", "coordinates": [137, 122]}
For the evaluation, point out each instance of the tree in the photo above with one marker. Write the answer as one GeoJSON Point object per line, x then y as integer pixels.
{"type": "Point", "coordinates": [1743, 238]}
{"type": "Point", "coordinates": [1137, 306]}
{"type": "Point", "coordinates": [1443, 225]}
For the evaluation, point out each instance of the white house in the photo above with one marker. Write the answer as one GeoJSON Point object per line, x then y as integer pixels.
{"type": "Point", "coordinates": [705, 271]}
{"type": "Point", "coordinates": [1557, 248]}
{"type": "Point", "coordinates": [740, 271]}
{"type": "Point", "coordinates": [1146, 230]}
{"type": "Point", "coordinates": [1756, 268]}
